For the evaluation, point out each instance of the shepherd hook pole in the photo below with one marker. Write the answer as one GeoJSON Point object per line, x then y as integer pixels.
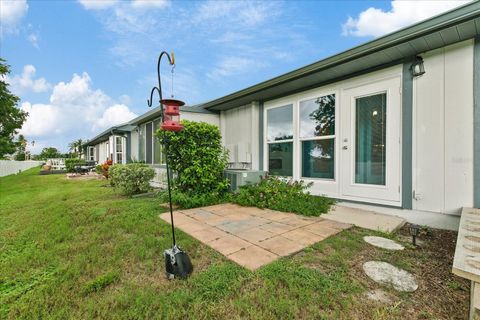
{"type": "Point", "coordinates": [171, 60]}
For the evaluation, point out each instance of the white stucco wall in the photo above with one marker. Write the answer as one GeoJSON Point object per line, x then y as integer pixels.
{"type": "Point", "coordinates": [443, 130]}
{"type": "Point", "coordinates": [134, 145]}
{"type": "Point", "coordinates": [102, 152]}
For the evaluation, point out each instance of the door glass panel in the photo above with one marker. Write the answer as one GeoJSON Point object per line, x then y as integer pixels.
{"type": "Point", "coordinates": [317, 117]}
{"type": "Point", "coordinates": [148, 144]}
{"type": "Point", "coordinates": [318, 158]}
{"type": "Point", "coordinates": [158, 154]}
{"type": "Point", "coordinates": [370, 139]}
{"type": "Point", "coordinates": [280, 159]}
{"type": "Point", "coordinates": [141, 144]}
{"type": "Point", "coordinates": [279, 123]}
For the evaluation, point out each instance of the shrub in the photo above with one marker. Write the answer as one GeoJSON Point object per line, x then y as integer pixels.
{"type": "Point", "coordinates": [277, 194]}
{"type": "Point", "coordinates": [195, 200]}
{"type": "Point", "coordinates": [70, 163]}
{"type": "Point", "coordinates": [131, 178]}
{"type": "Point", "coordinates": [197, 157]}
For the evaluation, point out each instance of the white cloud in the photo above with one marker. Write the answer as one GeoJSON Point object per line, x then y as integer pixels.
{"type": "Point", "coordinates": [26, 81]}
{"type": "Point", "coordinates": [114, 115]}
{"type": "Point", "coordinates": [147, 4]}
{"type": "Point", "coordinates": [11, 12]}
{"type": "Point", "coordinates": [229, 66]}
{"type": "Point", "coordinates": [75, 111]}
{"type": "Point", "coordinates": [376, 22]}
{"type": "Point", "coordinates": [33, 39]}
{"type": "Point", "coordinates": [97, 4]}
{"type": "Point", "coordinates": [42, 120]}
{"type": "Point", "coordinates": [244, 13]}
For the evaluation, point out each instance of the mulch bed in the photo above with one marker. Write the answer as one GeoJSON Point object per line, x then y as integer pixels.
{"type": "Point", "coordinates": [440, 295]}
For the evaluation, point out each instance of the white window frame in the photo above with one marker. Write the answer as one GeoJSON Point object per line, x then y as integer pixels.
{"type": "Point", "coordinates": [117, 151]}
{"type": "Point", "coordinates": [312, 96]}
{"type": "Point", "coordinates": [91, 153]}
{"type": "Point", "coordinates": [283, 103]}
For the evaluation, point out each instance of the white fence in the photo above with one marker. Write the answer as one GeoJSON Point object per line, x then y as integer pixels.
{"type": "Point", "coordinates": [10, 167]}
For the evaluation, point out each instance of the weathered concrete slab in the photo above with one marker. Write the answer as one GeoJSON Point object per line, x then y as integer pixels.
{"type": "Point", "coordinates": [364, 219]}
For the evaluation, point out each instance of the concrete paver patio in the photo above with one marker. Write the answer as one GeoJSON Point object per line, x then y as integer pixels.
{"type": "Point", "coordinates": [250, 236]}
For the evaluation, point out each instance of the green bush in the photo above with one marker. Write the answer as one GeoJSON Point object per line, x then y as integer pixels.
{"type": "Point", "coordinates": [277, 194]}
{"type": "Point", "coordinates": [197, 157]}
{"type": "Point", "coordinates": [72, 162]}
{"type": "Point", "coordinates": [195, 200]}
{"type": "Point", "coordinates": [131, 178]}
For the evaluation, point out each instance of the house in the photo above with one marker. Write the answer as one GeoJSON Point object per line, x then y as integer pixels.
{"type": "Point", "coordinates": [135, 140]}
{"type": "Point", "coordinates": [393, 122]}
{"type": "Point", "coordinates": [367, 125]}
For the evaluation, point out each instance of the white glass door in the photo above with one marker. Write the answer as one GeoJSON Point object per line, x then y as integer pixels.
{"type": "Point", "coordinates": [370, 142]}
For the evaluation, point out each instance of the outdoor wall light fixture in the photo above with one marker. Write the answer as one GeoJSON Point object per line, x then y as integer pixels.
{"type": "Point", "coordinates": [414, 230]}
{"type": "Point", "coordinates": [417, 67]}
{"type": "Point", "coordinates": [177, 262]}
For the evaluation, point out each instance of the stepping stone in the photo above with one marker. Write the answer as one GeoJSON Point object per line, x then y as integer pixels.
{"type": "Point", "coordinates": [383, 243]}
{"type": "Point", "coordinates": [385, 273]}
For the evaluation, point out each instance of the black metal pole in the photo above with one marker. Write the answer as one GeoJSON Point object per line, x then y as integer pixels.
{"type": "Point", "coordinates": [159, 89]}
{"type": "Point", "coordinates": [169, 193]}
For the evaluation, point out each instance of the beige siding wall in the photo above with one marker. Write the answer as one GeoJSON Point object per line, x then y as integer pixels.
{"type": "Point", "coordinates": [240, 134]}
{"type": "Point", "coordinates": [443, 130]}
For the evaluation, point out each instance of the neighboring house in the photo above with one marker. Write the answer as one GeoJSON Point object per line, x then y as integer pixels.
{"type": "Point", "coordinates": [111, 144]}
{"type": "Point", "coordinates": [362, 127]}
{"type": "Point", "coordinates": [146, 148]}
{"type": "Point", "coordinates": [135, 140]}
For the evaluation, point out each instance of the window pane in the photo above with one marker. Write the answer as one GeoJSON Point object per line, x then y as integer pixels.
{"type": "Point", "coordinates": [280, 123]}
{"type": "Point", "coordinates": [280, 159]}
{"type": "Point", "coordinates": [148, 138]}
{"type": "Point", "coordinates": [157, 146]}
{"type": "Point", "coordinates": [317, 117]}
{"type": "Point", "coordinates": [141, 143]}
{"type": "Point", "coordinates": [370, 134]}
{"type": "Point", "coordinates": [318, 159]}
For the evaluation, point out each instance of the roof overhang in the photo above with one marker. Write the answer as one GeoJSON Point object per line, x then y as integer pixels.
{"type": "Point", "coordinates": [454, 26]}
{"type": "Point", "coordinates": [116, 130]}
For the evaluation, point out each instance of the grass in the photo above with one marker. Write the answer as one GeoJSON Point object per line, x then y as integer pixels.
{"type": "Point", "coordinates": [77, 250]}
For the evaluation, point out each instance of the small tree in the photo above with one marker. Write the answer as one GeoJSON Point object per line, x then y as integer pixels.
{"type": "Point", "coordinates": [11, 117]}
{"type": "Point", "coordinates": [75, 148]}
{"type": "Point", "coordinates": [21, 148]}
{"type": "Point", "coordinates": [49, 153]}
{"type": "Point", "coordinates": [197, 157]}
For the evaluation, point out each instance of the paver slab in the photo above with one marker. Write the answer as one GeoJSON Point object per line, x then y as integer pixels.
{"type": "Point", "coordinates": [255, 235]}
{"type": "Point", "coordinates": [253, 257]}
{"type": "Point", "coordinates": [303, 236]}
{"type": "Point", "coordinates": [281, 246]}
{"type": "Point", "coordinates": [229, 244]}
{"type": "Point", "coordinates": [277, 227]}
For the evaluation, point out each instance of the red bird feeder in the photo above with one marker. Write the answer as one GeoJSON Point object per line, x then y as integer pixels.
{"type": "Point", "coordinates": [171, 115]}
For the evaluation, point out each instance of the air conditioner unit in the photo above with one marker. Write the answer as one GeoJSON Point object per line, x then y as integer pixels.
{"type": "Point", "coordinates": [240, 178]}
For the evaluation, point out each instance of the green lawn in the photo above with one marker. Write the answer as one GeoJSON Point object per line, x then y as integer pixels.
{"type": "Point", "coordinates": [77, 250]}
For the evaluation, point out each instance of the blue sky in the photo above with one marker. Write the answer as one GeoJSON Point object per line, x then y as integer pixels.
{"type": "Point", "coordinates": [82, 66]}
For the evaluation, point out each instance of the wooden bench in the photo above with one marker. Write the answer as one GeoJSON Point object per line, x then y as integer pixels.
{"type": "Point", "coordinates": [466, 263]}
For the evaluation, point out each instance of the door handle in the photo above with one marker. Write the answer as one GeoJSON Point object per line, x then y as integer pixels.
{"type": "Point", "coordinates": [344, 147]}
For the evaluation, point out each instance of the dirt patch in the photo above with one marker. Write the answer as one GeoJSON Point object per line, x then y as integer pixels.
{"type": "Point", "coordinates": [440, 294]}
